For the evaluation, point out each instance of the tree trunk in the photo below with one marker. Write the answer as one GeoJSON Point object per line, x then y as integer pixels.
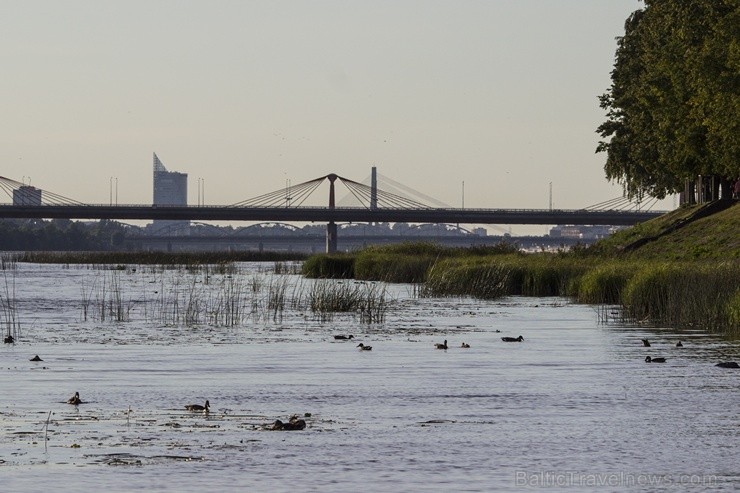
{"type": "Point", "coordinates": [726, 186]}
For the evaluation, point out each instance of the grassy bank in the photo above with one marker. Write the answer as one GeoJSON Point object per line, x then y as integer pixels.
{"type": "Point", "coordinates": [679, 270]}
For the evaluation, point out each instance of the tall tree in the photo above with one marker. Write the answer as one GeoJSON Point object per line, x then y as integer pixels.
{"type": "Point", "coordinates": [673, 106]}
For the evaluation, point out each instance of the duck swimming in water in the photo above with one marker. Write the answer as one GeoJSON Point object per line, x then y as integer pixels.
{"type": "Point", "coordinates": [364, 347]}
{"type": "Point", "coordinates": [293, 424]}
{"type": "Point", "coordinates": [679, 344]}
{"type": "Point", "coordinates": [441, 346]}
{"type": "Point", "coordinates": [344, 338]}
{"type": "Point", "coordinates": [465, 345]}
{"type": "Point", "coordinates": [645, 342]}
{"type": "Point", "coordinates": [648, 359]}
{"type": "Point", "coordinates": [198, 407]}
{"type": "Point", "coordinates": [728, 364]}
{"type": "Point", "coordinates": [75, 399]}
{"type": "Point", "coordinates": [512, 339]}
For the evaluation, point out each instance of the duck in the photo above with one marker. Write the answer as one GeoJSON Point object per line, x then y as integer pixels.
{"type": "Point", "coordinates": [198, 407]}
{"type": "Point", "coordinates": [75, 399]}
{"type": "Point", "coordinates": [8, 339]}
{"type": "Point", "coordinates": [512, 339]}
{"type": "Point", "coordinates": [441, 346]}
{"type": "Point", "coordinates": [728, 364]}
{"type": "Point", "coordinates": [364, 347]}
{"type": "Point", "coordinates": [344, 337]}
{"type": "Point", "coordinates": [645, 342]}
{"type": "Point", "coordinates": [465, 345]}
{"type": "Point", "coordinates": [293, 424]}
{"type": "Point", "coordinates": [679, 344]}
{"type": "Point", "coordinates": [648, 359]}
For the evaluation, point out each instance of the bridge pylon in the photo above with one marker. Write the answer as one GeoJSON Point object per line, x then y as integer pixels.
{"type": "Point", "coordinates": [331, 228]}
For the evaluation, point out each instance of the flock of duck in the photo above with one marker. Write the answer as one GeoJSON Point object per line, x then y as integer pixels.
{"type": "Point", "coordinates": [443, 345]}
{"type": "Point", "coordinates": [364, 347]}
{"type": "Point", "coordinates": [679, 344]}
{"type": "Point", "coordinates": [295, 423]}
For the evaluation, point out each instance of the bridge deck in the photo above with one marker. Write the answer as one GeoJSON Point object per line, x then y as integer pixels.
{"type": "Point", "coordinates": [325, 214]}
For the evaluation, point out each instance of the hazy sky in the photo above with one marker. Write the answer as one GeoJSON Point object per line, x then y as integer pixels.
{"type": "Point", "coordinates": [500, 94]}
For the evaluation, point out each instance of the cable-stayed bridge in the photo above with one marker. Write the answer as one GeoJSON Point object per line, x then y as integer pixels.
{"type": "Point", "coordinates": [288, 205]}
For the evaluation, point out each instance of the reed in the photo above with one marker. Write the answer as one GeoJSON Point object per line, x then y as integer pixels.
{"type": "Point", "coordinates": [406, 262]}
{"type": "Point", "coordinates": [336, 266]}
{"type": "Point", "coordinates": [369, 300]}
{"type": "Point", "coordinates": [233, 301]}
{"type": "Point", "coordinates": [603, 284]}
{"type": "Point", "coordinates": [733, 314]}
{"type": "Point", "coordinates": [276, 289]}
{"type": "Point", "coordinates": [686, 295]}
{"type": "Point", "coordinates": [480, 278]}
{"type": "Point", "coordinates": [9, 308]}
{"type": "Point", "coordinates": [493, 276]}
{"type": "Point", "coordinates": [387, 267]}
{"type": "Point", "coordinates": [374, 303]}
{"type": "Point", "coordinates": [8, 261]}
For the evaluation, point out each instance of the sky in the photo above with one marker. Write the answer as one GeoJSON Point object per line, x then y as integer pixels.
{"type": "Point", "coordinates": [246, 96]}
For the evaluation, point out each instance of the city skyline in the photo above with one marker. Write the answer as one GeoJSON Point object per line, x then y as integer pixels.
{"type": "Point", "coordinates": [246, 97]}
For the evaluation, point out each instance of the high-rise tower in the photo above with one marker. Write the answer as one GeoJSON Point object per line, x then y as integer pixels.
{"type": "Point", "coordinates": [170, 188]}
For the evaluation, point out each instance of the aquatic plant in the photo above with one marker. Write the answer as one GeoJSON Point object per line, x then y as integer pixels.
{"type": "Point", "coordinates": [9, 308]}
{"type": "Point", "coordinates": [374, 304]}
{"type": "Point", "coordinates": [481, 278]}
{"type": "Point", "coordinates": [604, 284]}
{"type": "Point", "coordinates": [369, 300]}
{"type": "Point", "coordinates": [8, 261]}
{"type": "Point", "coordinates": [276, 297]}
{"type": "Point", "coordinates": [335, 266]}
{"type": "Point", "coordinates": [685, 295]}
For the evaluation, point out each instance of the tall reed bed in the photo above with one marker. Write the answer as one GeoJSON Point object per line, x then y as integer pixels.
{"type": "Point", "coordinates": [405, 262]}
{"type": "Point", "coordinates": [337, 266]}
{"type": "Point", "coordinates": [605, 282]}
{"type": "Point", "coordinates": [369, 300]}
{"type": "Point", "coordinates": [488, 277]}
{"type": "Point", "coordinates": [686, 295]}
{"type": "Point", "coordinates": [481, 278]}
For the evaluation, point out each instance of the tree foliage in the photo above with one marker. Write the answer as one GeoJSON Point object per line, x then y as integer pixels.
{"type": "Point", "coordinates": [673, 109]}
{"type": "Point", "coordinates": [60, 235]}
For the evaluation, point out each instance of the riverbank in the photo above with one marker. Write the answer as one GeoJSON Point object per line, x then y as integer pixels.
{"type": "Point", "coordinates": [680, 270]}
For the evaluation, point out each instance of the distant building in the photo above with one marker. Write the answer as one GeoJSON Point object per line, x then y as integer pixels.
{"type": "Point", "coordinates": [27, 195]}
{"type": "Point", "coordinates": [583, 232]}
{"type": "Point", "coordinates": [170, 188]}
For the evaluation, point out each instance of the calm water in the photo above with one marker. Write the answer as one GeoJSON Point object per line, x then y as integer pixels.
{"type": "Point", "coordinates": [573, 406]}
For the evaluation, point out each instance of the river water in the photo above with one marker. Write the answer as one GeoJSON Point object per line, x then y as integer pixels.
{"type": "Point", "coordinates": [574, 406]}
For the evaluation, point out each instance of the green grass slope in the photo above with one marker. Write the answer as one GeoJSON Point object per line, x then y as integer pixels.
{"type": "Point", "coordinates": [688, 233]}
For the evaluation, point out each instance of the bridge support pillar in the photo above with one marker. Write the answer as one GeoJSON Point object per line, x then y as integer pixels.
{"type": "Point", "coordinates": [331, 237]}
{"type": "Point", "coordinates": [331, 228]}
